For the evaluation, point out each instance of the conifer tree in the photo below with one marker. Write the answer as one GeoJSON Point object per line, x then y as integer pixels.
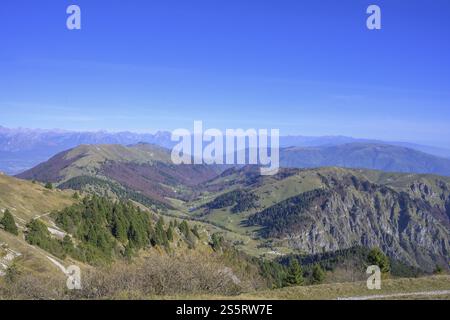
{"type": "Point", "coordinates": [184, 228]}
{"type": "Point", "coordinates": [294, 276]}
{"type": "Point", "coordinates": [8, 223]}
{"type": "Point", "coordinates": [377, 257]}
{"type": "Point", "coordinates": [216, 241]}
{"type": "Point", "coordinates": [160, 233]}
{"type": "Point", "coordinates": [67, 244]}
{"type": "Point", "coordinates": [170, 233]}
{"type": "Point", "coordinates": [318, 275]}
{"type": "Point", "coordinates": [195, 231]}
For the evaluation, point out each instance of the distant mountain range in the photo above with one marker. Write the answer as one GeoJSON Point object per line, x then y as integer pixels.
{"type": "Point", "coordinates": [365, 155]}
{"type": "Point", "coordinates": [329, 141]}
{"type": "Point", "coordinates": [22, 149]}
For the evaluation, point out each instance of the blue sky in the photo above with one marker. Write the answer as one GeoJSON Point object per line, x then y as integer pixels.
{"type": "Point", "coordinates": [306, 67]}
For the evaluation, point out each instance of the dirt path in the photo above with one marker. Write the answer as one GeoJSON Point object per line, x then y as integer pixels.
{"type": "Point", "coordinates": [399, 295]}
{"type": "Point", "coordinates": [59, 265]}
{"type": "Point", "coordinates": [42, 215]}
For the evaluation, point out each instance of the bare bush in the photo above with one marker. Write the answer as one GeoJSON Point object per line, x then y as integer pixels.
{"type": "Point", "coordinates": [160, 275]}
{"type": "Point", "coordinates": [27, 286]}
{"type": "Point", "coordinates": [156, 275]}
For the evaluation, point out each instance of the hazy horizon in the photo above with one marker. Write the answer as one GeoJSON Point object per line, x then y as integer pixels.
{"type": "Point", "coordinates": [154, 132]}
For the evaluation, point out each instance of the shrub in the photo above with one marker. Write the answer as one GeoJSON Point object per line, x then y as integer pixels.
{"type": "Point", "coordinates": [377, 257]}
{"type": "Point", "coordinates": [8, 223]}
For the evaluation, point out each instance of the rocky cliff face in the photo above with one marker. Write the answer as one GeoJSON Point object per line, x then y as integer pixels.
{"type": "Point", "coordinates": [411, 225]}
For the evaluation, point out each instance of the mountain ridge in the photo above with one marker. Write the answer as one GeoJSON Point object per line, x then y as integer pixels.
{"type": "Point", "coordinates": [328, 209]}
{"type": "Point", "coordinates": [22, 149]}
{"type": "Point", "coordinates": [365, 155]}
{"type": "Point", "coordinates": [143, 169]}
{"type": "Point", "coordinates": [407, 215]}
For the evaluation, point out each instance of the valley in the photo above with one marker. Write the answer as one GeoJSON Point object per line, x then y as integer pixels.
{"type": "Point", "coordinates": [73, 207]}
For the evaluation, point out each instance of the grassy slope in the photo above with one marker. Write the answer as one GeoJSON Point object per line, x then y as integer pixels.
{"type": "Point", "coordinates": [26, 201]}
{"type": "Point", "coordinates": [343, 290]}
{"type": "Point", "coordinates": [94, 156]}
{"type": "Point", "coordinates": [346, 290]}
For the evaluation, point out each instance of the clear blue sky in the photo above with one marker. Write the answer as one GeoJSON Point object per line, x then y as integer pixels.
{"type": "Point", "coordinates": [306, 67]}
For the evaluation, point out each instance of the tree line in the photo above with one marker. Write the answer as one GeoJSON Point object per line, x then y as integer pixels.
{"type": "Point", "coordinates": [240, 200]}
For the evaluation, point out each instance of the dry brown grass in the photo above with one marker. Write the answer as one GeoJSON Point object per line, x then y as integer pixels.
{"type": "Point", "coordinates": [352, 289]}
{"type": "Point", "coordinates": [156, 275]}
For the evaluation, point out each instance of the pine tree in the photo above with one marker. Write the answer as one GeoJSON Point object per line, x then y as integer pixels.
{"type": "Point", "coordinates": [13, 273]}
{"type": "Point", "coordinates": [438, 270]}
{"type": "Point", "coordinates": [184, 228]}
{"type": "Point", "coordinates": [160, 233]}
{"type": "Point", "coordinates": [377, 257]}
{"type": "Point", "coordinates": [67, 244]}
{"type": "Point", "coordinates": [216, 241]}
{"type": "Point", "coordinates": [195, 231]}
{"type": "Point", "coordinates": [128, 253]}
{"type": "Point", "coordinates": [191, 240]}
{"type": "Point", "coordinates": [119, 226]}
{"type": "Point", "coordinates": [49, 186]}
{"type": "Point", "coordinates": [8, 223]}
{"type": "Point", "coordinates": [170, 233]}
{"type": "Point", "coordinates": [318, 275]}
{"type": "Point", "coordinates": [294, 276]}
{"type": "Point", "coordinates": [137, 233]}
